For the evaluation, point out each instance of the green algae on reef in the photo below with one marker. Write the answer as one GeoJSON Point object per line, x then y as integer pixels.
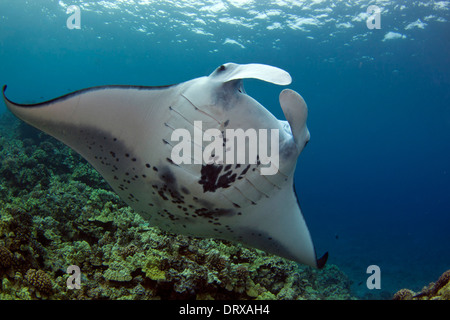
{"type": "Point", "coordinates": [57, 211]}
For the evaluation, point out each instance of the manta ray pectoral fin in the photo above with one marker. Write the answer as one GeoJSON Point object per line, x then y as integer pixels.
{"type": "Point", "coordinates": [296, 112]}
{"type": "Point", "coordinates": [118, 110]}
{"type": "Point", "coordinates": [107, 125]}
{"type": "Point", "coordinates": [231, 71]}
{"type": "Point", "coordinates": [278, 226]}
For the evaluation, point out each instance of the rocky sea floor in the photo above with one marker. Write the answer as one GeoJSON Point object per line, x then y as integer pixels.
{"type": "Point", "coordinates": [56, 211]}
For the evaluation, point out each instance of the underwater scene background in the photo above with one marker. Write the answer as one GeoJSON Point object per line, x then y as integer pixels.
{"type": "Point", "coordinates": [373, 183]}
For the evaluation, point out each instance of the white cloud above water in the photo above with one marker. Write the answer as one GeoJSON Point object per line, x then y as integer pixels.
{"type": "Point", "coordinates": [416, 24]}
{"type": "Point", "coordinates": [233, 42]}
{"type": "Point", "coordinates": [315, 19]}
{"type": "Point", "coordinates": [393, 36]}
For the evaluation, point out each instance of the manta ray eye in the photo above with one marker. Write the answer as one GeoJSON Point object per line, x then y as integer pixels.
{"type": "Point", "coordinates": [221, 68]}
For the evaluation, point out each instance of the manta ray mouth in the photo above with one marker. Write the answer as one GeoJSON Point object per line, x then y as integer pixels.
{"type": "Point", "coordinates": [236, 86]}
{"type": "Point", "coordinates": [241, 88]}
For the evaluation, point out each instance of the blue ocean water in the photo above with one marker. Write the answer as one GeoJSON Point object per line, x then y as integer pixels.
{"type": "Point", "coordinates": [374, 181]}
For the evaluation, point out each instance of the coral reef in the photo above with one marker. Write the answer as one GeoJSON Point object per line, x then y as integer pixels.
{"type": "Point", "coordinates": [6, 258]}
{"type": "Point", "coordinates": [56, 211]}
{"type": "Point", "coordinates": [39, 280]}
{"type": "Point", "coordinates": [439, 290]}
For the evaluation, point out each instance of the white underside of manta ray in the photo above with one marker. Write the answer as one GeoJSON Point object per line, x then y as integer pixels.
{"type": "Point", "coordinates": [125, 133]}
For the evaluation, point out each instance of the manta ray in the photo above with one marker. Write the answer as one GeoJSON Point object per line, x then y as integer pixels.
{"type": "Point", "coordinates": [126, 133]}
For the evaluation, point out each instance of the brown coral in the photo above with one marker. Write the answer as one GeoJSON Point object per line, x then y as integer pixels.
{"type": "Point", "coordinates": [6, 257]}
{"type": "Point", "coordinates": [403, 294]}
{"type": "Point", "coordinates": [128, 251]}
{"type": "Point", "coordinates": [433, 289]}
{"type": "Point", "coordinates": [39, 280]}
{"type": "Point", "coordinates": [442, 281]}
{"type": "Point", "coordinates": [242, 272]}
{"type": "Point", "coordinates": [218, 262]}
{"type": "Point", "coordinates": [429, 292]}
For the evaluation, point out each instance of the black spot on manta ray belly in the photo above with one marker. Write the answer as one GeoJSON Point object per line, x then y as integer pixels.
{"type": "Point", "coordinates": [212, 180]}
{"type": "Point", "coordinates": [212, 177]}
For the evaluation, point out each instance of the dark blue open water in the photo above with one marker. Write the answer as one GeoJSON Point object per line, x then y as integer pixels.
{"type": "Point", "coordinates": [374, 181]}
